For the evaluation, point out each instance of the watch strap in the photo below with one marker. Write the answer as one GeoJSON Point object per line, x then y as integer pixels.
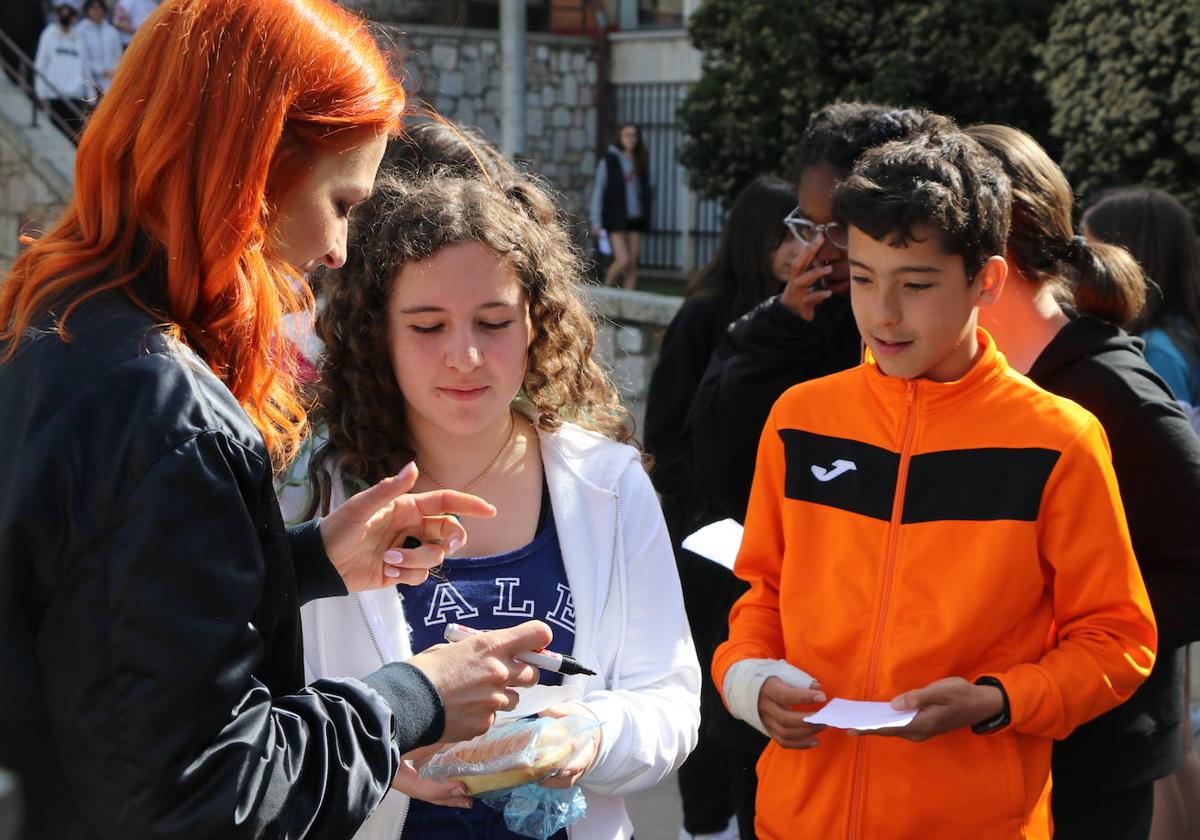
{"type": "Point", "coordinates": [999, 720]}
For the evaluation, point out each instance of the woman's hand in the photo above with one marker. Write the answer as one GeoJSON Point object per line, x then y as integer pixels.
{"type": "Point", "coordinates": [363, 536]}
{"type": "Point", "coordinates": [569, 775]}
{"type": "Point", "coordinates": [451, 794]}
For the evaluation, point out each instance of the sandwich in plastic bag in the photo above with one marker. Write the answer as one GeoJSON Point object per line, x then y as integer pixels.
{"type": "Point", "coordinates": [502, 768]}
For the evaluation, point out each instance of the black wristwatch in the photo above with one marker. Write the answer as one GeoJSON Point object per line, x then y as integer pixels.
{"type": "Point", "coordinates": [999, 720]}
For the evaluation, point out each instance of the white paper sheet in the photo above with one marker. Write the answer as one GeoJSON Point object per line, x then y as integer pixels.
{"type": "Point", "coordinates": [860, 714]}
{"type": "Point", "coordinates": [533, 699]}
{"type": "Point", "coordinates": [718, 542]}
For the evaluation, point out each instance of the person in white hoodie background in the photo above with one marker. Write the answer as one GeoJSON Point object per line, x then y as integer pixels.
{"type": "Point", "coordinates": [454, 337]}
{"type": "Point", "coordinates": [62, 81]}
{"type": "Point", "coordinates": [102, 45]}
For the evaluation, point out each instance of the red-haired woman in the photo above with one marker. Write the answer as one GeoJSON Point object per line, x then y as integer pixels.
{"type": "Point", "coordinates": [149, 591]}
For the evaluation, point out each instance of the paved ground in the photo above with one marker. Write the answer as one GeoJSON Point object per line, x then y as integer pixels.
{"type": "Point", "coordinates": [656, 812]}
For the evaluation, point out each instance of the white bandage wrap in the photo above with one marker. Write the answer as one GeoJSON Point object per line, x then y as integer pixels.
{"type": "Point", "coordinates": [744, 680]}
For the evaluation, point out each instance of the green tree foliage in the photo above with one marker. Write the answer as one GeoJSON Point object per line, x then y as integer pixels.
{"type": "Point", "coordinates": [1123, 77]}
{"type": "Point", "coordinates": [768, 64]}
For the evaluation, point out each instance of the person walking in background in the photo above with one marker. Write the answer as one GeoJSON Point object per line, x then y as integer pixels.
{"type": "Point", "coordinates": [621, 201]}
{"type": "Point", "coordinates": [150, 650]}
{"type": "Point", "coordinates": [1104, 772]}
{"type": "Point", "coordinates": [454, 337]}
{"type": "Point", "coordinates": [102, 45]}
{"type": "Point", "coordinates": [62, 82]}
{"type": "Point", "coordinates": [1154, 227]}
{"type": "Point", "coordinates": [752, 263]}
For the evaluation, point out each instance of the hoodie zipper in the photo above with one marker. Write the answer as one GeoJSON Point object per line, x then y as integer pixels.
{"type": "Point", "coordinates": [860, 759]}
{"type": "Point", "coordinates": [362, 611]}
{"type": "Point", "coordinates": [612, 575]}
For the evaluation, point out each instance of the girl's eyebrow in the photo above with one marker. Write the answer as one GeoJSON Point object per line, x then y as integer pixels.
{"type": "Point", "coordinates": [417, 310]}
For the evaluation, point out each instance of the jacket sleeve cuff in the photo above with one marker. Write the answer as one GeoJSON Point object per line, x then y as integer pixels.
{"type": "Point", "coordinates": [1030, 696]}
{"type": "Point", "coordinates": [744, 681]}
{"type": "Point", "coordinates": [786, 318]}
{"type": "Point", "coordinates": [315, 575]}
{"type": "Point", "coordinates": [417, 711]}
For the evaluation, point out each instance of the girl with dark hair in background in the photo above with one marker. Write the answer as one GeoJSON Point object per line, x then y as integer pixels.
{"type": "Point", "coordinates": [1104, 772]}
{"type": "Point", "coordinates": [1154, 227]}
{"type": "Point", "coordinates": [751, 264]}
{"type": "Point", "coordinates": [620, 204]}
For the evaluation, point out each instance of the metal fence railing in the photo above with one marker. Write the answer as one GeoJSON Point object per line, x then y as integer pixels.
{"type": "Point", "coordinates": [20, 68]}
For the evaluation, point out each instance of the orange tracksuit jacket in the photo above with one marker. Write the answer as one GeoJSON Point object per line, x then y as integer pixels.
{"type": "Point", "coordinates": [902, 531]}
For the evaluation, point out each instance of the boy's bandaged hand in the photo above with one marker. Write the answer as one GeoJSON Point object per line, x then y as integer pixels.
{"type": "Point", "coordinates": [762, 693]}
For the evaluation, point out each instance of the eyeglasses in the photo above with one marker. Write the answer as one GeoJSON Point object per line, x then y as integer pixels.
{"type": "Point", "coordinates": [806, 230]}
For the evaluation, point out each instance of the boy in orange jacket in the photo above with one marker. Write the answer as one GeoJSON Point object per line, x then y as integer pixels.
{"type": "Point", "coordinates": [930, 529]}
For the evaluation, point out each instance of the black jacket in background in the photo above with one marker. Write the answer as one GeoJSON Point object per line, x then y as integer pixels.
{"type": "Point", "coordinates": [150, 648]}
{"type": "Point", "coordinates": [709, 590]}
{"type": "Point", "coordinates": [1156, 458]}
{"type": "Point", "coordinates": [764, 353]}
{"type": "Point", "coordinates": [682, 360]}
{"type": "Point", "coordinates": [614, 211]}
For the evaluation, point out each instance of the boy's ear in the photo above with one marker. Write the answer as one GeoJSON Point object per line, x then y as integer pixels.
{"type": "Point", "coordinates": [990, 280]}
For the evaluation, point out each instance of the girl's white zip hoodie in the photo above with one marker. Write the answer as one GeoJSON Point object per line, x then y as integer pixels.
{"type": "Point", "coordinates": [630, 626]}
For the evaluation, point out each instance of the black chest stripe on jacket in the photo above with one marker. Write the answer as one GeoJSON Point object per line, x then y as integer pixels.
{"type": "Point", "coordinates": [817, 472]}
{"type": "Point", "coordinates": [963, 484]}
{"type": "Point", "coordinates": [977, 484]}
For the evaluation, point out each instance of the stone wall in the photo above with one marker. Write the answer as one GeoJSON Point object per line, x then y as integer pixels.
{"type": "Point", "coordinates": [36, 172]}
{"type": "Point", "coordinates": [457, 73]}
{"type": "Point", "coordinates": [629, 333]}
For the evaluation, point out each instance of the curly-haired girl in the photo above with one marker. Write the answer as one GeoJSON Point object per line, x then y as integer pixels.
{"type": "Point", "coordinates": [454, 338]}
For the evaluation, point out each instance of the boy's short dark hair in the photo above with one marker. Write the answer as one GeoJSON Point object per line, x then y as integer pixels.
{"type": "Point", "coordinates": [940, 178]}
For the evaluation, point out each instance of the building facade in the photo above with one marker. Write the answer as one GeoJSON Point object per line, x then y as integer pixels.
{"type": "Point", "coordinates": [590, 65]}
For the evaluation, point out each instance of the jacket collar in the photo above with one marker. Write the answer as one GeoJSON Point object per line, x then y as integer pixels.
{"type": "Point", "coordinates": [987, 369]}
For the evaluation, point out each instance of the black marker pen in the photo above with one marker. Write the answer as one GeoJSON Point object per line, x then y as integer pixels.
{"type": "Point", "coordinates": [547, 660]}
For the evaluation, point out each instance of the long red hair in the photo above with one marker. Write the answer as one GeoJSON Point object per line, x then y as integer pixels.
{"type": "Point", "coordinates": [217, 107]}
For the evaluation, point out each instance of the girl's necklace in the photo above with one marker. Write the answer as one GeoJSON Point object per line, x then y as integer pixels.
{"type": "Point", "coordinates": [512, 433]}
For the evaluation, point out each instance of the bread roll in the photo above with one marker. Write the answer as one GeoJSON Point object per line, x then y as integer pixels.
{"type": "Point", "coordinates": [511, 758]}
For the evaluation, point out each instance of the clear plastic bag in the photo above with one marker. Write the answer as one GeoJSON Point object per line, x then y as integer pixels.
{"type": "Point", "coordinates": [512, 754]}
